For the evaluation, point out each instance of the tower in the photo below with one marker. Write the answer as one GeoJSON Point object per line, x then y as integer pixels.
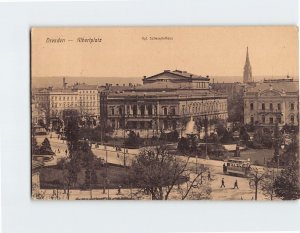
{"type": "Point", "coordinates": [247, 70]}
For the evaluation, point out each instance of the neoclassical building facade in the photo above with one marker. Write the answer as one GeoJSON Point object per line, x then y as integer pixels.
{"type": "Point", "coordinates": [165, 102]}
{"type": "Point", "coordinates": [272, 101]}
{"type": "Point", "coordinates": [81, 97]}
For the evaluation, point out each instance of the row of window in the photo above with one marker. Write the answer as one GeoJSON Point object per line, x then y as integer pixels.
{"type": "Point", "coordinates": [203, 108]}
{"type": "Point", "coordinates": [271, 106]}
{"type": "Point", "coordinates": [149, 110]}
{"type": "Point", "coordinates": [71, 98]}
{"type": "Point", "coordinates": [87, 92]}
{"type": "Point", "coordinates": [55, 105]}
{"type": "Point", "coordinates": [272, 120]}
{"type": "Point", "coordinates": [201, 85]}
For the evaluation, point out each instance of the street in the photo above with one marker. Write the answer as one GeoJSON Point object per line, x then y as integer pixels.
{"type": "Point", "coordinates": [117, 157]}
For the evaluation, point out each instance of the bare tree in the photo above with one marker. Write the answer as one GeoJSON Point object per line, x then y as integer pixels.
{"type": "Point", "coordinates": [267, 184]}
{"type": "Point", "coordinates": [256, 178]}
{"type": "Point", "coordinates": [157, 172]}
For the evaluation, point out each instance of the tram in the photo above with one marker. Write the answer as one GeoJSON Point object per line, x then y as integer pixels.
{"type": "Point", "coordinates": [238, 167]}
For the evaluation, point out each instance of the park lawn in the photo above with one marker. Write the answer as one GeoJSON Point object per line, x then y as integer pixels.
{"type": "Point", "coordinates": [116, 175]}
{"type": "Point", "coordinates": [257, 156]}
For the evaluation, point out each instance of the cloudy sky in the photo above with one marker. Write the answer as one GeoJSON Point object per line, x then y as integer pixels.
{"type": "Point", "coordinates": [125, 52]}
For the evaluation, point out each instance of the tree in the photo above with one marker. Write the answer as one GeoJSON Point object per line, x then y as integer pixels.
{"type": "Point", "coordinates": [133, 140]}
{"type": "Point", "coordinates": [256, 177]}
{"type": "Point", "coordinates": [34, 146]}
{"type": "Point", "coordinates": [267, 184]}
{"type": "Point", "coordinates": [90, 178]}
{"type": "Point", "coordinates": [183, 145]}
{"type": "Point", "coordinates": [243, 134]}
{"type": "Point", "coordinates": [45, 148]}
{"type": "Point", "coordinates": [71, 169]}
{"type": "Point", "coordinates": [72, 132]}
{"type": "Point", "coordinates": [157, 172]}
{"type": "Point", "coordinates": [287, 183]}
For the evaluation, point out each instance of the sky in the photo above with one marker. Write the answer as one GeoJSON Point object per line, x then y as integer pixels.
{"type": "Point", "coordinates": [125, 52]}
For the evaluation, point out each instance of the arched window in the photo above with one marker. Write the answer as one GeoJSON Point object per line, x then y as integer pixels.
{"type": "Point", "coordinates": [271, 106]}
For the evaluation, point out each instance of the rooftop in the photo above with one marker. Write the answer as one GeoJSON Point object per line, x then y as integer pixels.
{"type": "Point", "coordinates": [180, 73]}
{"type": "Point", "coordinates": [279, 86]}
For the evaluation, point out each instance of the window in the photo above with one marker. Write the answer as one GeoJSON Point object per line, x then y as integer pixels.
{"type": "Point", "coordinates": [263, 107]}
{"type": "Point", "coordinates": [271, 106]}
{"type": "Point", "coordinates": [142, 110]}
{"type": "Point", "coordinates": [252, 120]}
{"type": "Point", "coordinates": [271, 120]}
{"type": "Point", "coordinates": [263, 119]}
{"type": "Point", "coordinates": [251, 106]}
{"type": "Point", "coordinates": [292, 106]}
{"type": "Point", "coordinates": [279, 106]}
{"type": "Point", "coordinates": [150, 110]}
{"type": "Point", "coordinates": [292, 119]}
{"type": "Point", "coordinates": [172, 112]}
{"type": "Point", "coordinates": [112, 111]}
{"type": "Point", "coordinates": [165, 111]}
{"type": "Point", "coordinates": [279, 120]}
{"type": "Point", "coordinates": [134, 110]}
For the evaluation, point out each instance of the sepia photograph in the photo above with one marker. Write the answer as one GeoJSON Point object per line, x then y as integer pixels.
{"type": "Point", "coordinates": [165, 113]}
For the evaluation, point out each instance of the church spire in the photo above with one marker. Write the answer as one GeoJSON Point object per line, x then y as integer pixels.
{"type": "Point", "coordinates": [247, 69]}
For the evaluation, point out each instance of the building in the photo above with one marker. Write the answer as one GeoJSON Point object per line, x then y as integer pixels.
{"type": "Point", "coordinates": [165, 101]}
{"type": "Point", "coordinates": [81, 97]}
{"type": "Point", "coordinates": [247, 78]}
{"type": "Point", "coordinates": [272, 101]}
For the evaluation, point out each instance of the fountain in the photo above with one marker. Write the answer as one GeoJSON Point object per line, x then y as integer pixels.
{"type": "Point", "coordinates": [190, 128]}
{"type": "Point", "coordinates": [191, 134]}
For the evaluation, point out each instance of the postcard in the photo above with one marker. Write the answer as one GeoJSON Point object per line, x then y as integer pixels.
{"type": "Point", "coordinates": [165, 113]}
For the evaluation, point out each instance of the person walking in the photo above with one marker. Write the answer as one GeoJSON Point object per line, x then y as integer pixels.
{"type": "Point", "coordinates": [222, 183]}
{"type": "Point", "coordinates": [236, 185]}
{"type": "Point", "coordinates": [208, 176]}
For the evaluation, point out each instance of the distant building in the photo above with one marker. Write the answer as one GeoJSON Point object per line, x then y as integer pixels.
{"type": "Point", "coordinates": [164, 102]}
{"type": "Point", "coordinates": [82, 97]}
{"type": "Point", "coordinates": [37, 114]}
{"type": "Point", "coordinates": [272, 101]}
{"type": "Point", "coordinates": [247, 78]}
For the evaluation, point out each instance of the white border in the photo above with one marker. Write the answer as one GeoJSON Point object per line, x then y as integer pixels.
{"type": "Point", "coordinates": [20, 214]}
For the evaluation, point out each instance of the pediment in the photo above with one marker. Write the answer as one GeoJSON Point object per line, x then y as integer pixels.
{"type": "Point", "coordinates": [165, 75]}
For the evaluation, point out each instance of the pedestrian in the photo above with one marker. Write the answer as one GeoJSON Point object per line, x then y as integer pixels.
{"type": "Point", "coordinates": [208, 176]}
{"type": "Point", "coordinates": [224, 168]}
{"type": "Point", "coordinates": [236, 185]}
{"type": "Point", "coordinates": [222, 183]}
{"type": "Point", "coordinates": [66, 152]}
{"type": "Point", "coordinates": [119, 189]}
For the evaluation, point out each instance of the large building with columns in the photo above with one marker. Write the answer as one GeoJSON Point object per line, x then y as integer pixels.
{"type": "Point", "coordinates": [165, 102]}
{"type": "Point", "coordinates": [272, 101]}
